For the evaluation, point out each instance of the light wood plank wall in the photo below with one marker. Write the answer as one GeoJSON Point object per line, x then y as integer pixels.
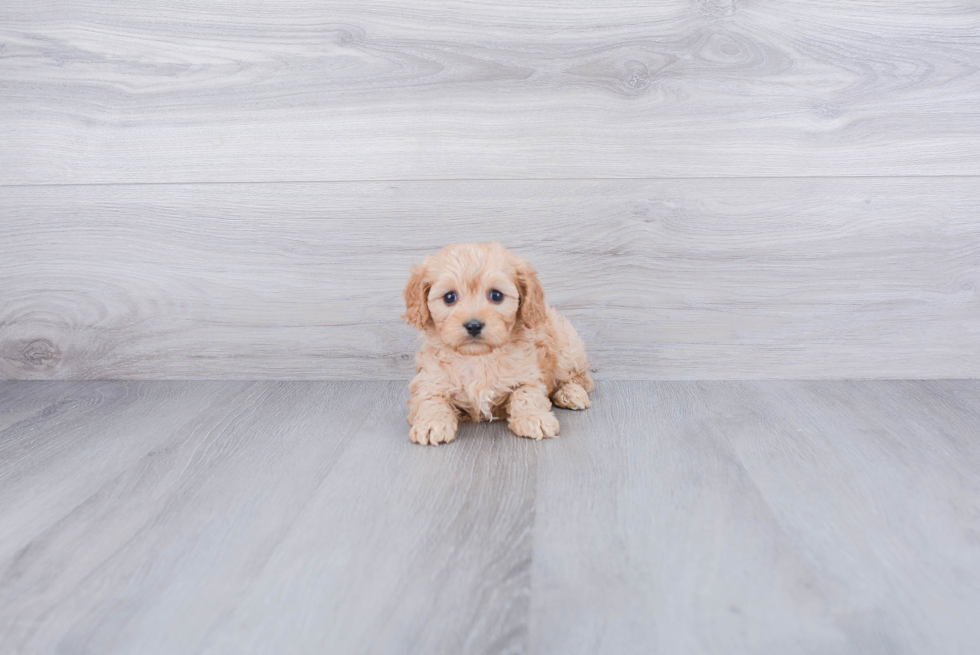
{"type": "Point", "coordinates": [709, 189]}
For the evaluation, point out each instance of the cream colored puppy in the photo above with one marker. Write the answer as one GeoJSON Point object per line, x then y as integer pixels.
{"type": "Point", "coordinates": [493, 349]}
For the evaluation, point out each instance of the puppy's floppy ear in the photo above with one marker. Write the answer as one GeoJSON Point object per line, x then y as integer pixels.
{"type": "Point", "coordinates": [417, 298]}
{"type": "Point", "coordinates": [532, 309]}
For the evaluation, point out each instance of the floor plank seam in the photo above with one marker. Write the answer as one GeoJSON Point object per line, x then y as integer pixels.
{"type": "Point", "coordinates": [490, 179]}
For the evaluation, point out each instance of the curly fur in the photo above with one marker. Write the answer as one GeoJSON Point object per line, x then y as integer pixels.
{"type": "Point", "coordinates": [527, 356]}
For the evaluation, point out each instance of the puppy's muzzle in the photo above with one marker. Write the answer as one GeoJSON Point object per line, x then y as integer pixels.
{"type": "Point", "coordinates": [474, 327]}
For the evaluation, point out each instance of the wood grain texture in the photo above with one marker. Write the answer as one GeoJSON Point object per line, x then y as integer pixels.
{"type": "Point", "coordinates": [161, 517]}
{"type": "Point", "coordinates": [62, 443]}
{"type": "Point", "coordinates": [280, 500]}
{"type": "Point", "coordinates": [761, 517]}
{"type": "Point", "coordinates": [213, 91]}
{"type": "Point", "coordinates": [694, 517]}
{"type": "Point", "coordinates": [745, 278]}
{"type": "Point", "coordinates": [402, 549]}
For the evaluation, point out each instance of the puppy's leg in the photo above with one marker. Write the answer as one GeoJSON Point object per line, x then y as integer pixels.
{"type": "Point", "coordinates": [529, 412]}
{"type": "Point", "coordinates": [433, 419]}
{"type": "Point", "coordinates": [572, 367]}
{"type": "Point", "coordinates": [571, 395]}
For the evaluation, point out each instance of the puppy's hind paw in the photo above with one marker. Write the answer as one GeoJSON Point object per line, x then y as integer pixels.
{"type": "Point", "coordinates": [534, 426]}
{"type": "Point", "coordinates": [571, 396]}
{"type": "Point", "coordinates": [432, 433]}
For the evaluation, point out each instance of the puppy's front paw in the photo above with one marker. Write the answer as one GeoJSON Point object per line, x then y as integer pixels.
{"type": "Point", "coordinates": [534, 426]}
{"type": "Point", "coordinates": [571, 396]}
{"type": "Point", "coordinates": [432, 432]}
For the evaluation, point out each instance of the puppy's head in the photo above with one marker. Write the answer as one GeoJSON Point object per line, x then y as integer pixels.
{"type": "Point", "coordinates": [474, 295]}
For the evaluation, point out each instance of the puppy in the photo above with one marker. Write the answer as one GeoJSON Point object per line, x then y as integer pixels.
{"type": "Point", "coordinates": [493, 349]}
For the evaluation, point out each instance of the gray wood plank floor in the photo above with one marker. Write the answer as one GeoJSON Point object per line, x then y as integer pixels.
{"type": "Point", "coordinates": [697, 279]}
{"type": "Point", "coordinates": [298, 90]}
{"type": "Point", "coordinates": [672, 517]}
{"type": "Point", "coordinates": [712, 189]}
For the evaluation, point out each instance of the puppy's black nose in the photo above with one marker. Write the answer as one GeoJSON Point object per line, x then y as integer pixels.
{"type": "Point", "coordinates": [474, 327]}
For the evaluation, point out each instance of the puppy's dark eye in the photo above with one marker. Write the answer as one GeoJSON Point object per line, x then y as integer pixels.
{"type": "Point", "coordinates": [450, 297]}
{"type": "Point", "coordinates": [496, 296]}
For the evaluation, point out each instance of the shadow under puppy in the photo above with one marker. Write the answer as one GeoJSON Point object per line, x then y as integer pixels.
{"type": "Point", "coordinates": [493, 349]}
